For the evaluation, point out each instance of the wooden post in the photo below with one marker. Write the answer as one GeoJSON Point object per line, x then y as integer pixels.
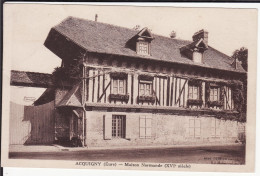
{"type": "Point", "coordinates": [90, 93]}
{"type": "Point", "coordinates": [129, 91]}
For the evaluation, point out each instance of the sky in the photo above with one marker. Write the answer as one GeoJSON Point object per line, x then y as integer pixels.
{"type": "Point", "coordinates": [26, 27]}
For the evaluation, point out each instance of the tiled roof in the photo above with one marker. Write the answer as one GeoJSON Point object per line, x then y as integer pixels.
{"type": "Point", "coordinates": [110, 39]}
{"type": "Point", "coordinates": [72, 98]}
{"type": "Point", "coordinates": [31, 79]}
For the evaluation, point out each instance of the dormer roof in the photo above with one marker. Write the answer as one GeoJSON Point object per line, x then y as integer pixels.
{"type": "Point", "coordinates": [145, 33]}
{"type": "Point", "coordinates": [199, 45]}
{"type": "Point", "coordinates": [97, 37]}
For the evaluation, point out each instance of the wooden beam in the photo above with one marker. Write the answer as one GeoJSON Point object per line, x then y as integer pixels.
{"type": "Point", "coordinates": [178, 100]}
{"type": "Point", "coordinates": [99, 99]}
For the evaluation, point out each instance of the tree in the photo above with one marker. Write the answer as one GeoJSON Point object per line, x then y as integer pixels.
{"type": "Point", "coordinates": [242, 55]}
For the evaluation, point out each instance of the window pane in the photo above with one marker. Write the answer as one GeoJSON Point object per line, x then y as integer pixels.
{"type": "Point", "coordinates": [191, 123]}
{"type": "Point", "coordinates": [148, 133]}
{"type": "Point", "coordinates": [115, 90]}
{"type": "Point", "coordinates": [142, 132]}
{"type": "Point", "coordinates": [197, 132]}
{"type": "Point", "coordinates": [115, 86]}
{"type": "Point", "coordinates": [191, 131]}
{"type": "Point", "coordinates": [142, 92]}
{"type": "Point", "coordinates": [197, 123]}
{"type": "Point", "coordinates": [121, 90]}
{"type": "Point", "coordinates": [143, 47]}
{"type": "Point", "coordinates": [121, 83]}
{"type": "Point", "coordinates": [118, 127]}
{"type": "Point", "coordinates": [195, 96]}
{"type": "Point", "coordinates": [142, 122]}
{"type": "Point", "coordinates": [115, 83]}
{"type": "Point", "coordinates": [148, 122]}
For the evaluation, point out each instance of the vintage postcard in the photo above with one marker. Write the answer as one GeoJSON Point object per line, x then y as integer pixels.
{"type": "Point", "coordinates": [129, 87]}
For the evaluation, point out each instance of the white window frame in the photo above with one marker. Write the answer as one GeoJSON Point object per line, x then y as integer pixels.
{"type": "Point", "coordinates": [215, 127]}
{"type": "Point", "coordinates": [214, 94]}
{"type": "Point", "coordinates": [194, 127]}
{"type": "Point", "coordinates": [146, 91]}
{"type": "Point", "coordinates": [116, 88]}
{"type": "Point", "coordinates": [145, 126]}
{"type": "Point", "coordinates": [143, 48]}
{"type": "Point", "coordinates": [118, 126]}
{"type": "Point", "coordinates": [192, 92]}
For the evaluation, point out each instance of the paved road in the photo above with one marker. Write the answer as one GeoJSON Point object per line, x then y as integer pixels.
{"type": "Point", "coordinates": [203, 155]}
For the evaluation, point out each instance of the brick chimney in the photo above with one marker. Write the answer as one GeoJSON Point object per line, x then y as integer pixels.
{"type": "Point", "coordinates": [201, 34]}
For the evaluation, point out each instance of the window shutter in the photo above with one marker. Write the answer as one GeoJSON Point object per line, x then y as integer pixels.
{"type": "Point", "coordinates": [218, 127]}
{"type": "Point", "coordinates": [142, 126]}
{"type": "Point", "coordinates": [108, 127]}
{"type": "Point", "coordinates": [127, 128]}
{"type": "Point", "coordinates": [191, 127]}
{"type": "Point", "coordinates": [213, 126]}
{"type": "Point", "coordinates": [197, 128]}
{"type": "Point", "coordinates": [148, 123]}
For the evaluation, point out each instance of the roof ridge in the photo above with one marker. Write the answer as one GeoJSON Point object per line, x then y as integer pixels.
{"type": "Point", "coordinates": [114, 25]}
{"type": "Point", "coordinates": [18, 71]}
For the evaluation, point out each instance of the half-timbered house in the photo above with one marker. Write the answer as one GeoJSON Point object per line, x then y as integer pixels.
{"type": "Point", "coordinates": [136, 88]}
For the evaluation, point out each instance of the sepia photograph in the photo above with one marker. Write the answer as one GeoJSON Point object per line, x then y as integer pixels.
{"type": "Point", "coordinates": [129, 87]}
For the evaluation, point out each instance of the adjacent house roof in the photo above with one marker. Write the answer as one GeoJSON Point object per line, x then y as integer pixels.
{"type": "Point", "coordinates": [110, 39]}
{"type": "Point", "coordinates": [31, 79]}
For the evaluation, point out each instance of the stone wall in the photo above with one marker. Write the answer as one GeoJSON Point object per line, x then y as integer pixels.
{"type": "Point", "coordinates": [166, 130]}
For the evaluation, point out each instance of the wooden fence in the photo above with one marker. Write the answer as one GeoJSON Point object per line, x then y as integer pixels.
{"type": "Point", "coordinates": [31, 124]}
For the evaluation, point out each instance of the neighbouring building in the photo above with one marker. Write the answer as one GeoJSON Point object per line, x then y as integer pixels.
{"type": "Point", "coordinates": [121, 87]}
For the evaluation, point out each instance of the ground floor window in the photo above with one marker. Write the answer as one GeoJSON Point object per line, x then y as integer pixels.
{"type": "Point", "coordinates": [118, 126]}
{"type": "Point", "coordinates": [145, 127]}
{"type": "Point", "coordinates": [215, 127]}
{"type": "Point", "coordinates": [194, 127]}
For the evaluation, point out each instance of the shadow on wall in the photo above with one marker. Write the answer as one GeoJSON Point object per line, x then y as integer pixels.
{"type": "Point", "coordinates": [30, 125]}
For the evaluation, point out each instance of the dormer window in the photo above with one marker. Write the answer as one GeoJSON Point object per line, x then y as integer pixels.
{"type": "Point", "coordinates": [141, 42]}
{"type": "Point", "coordinates": [143, 48]}
{"type": "Point", "coordinates": [197, 57]}
{"type": "Point", "coordinates": [195, 50]}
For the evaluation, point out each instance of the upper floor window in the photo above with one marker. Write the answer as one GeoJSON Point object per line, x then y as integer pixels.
{"type": "Point", "coordinates": [193, 92]}
{"type": "Point", "coordinates": [145, 88]}
{"type": "Point", "coordinates": [214, 94]}
{"type": "Point", "coordinates": [143, 48]}
{"type": "Point", "coordinates": [118, 80]}
{"type": "Point", "coordinates": [119, 86]}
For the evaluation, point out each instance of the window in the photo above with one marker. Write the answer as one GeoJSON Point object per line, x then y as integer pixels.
{"type": "Point", "coordinates": [193, 92]}
{"type": "Point", "coordinates": [145, 88]}
{"type": "Point", "coordinates": [197, 57]}
{"type": "Point", "coordinates": [145, 127]}
{"type": "Point", "coordinates": [214, 94]}
{"type": "Point", "coordinates": [143, 48]}
{"type": "Point", "coordinates": [118, 126]}
{"type": "Point", "coordinates": [119, 86]}
{"type": "Point", "coordinates": [215, 127]}
{"type": "Point", "coordinates": [194, 127]}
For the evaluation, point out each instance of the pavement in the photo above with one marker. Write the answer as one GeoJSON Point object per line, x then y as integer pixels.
{"type": "Point", "coordinates": [56, 148]}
